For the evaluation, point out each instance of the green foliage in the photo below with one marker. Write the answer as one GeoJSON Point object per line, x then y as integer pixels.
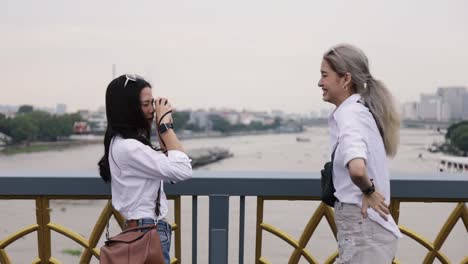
{"type": "Point", "coordinates": [23, 128]}
{"type": "Point", "coordinates": [459, 137]}
{"type": "Point", "coordinates": [180, 120]}
{"type": "Point", "coordinates": [277, 122]}
{"type": "Point", "coordinates": [193, 127]}
{"type": "Point", "coordinates": [38, 125]}
{"type": "Point", "coordinates": [24, 109]}
{"type": "Point", "coordinates": [222, 125]}
{"type": "Point", "coordinates": [4, 124]}
{"type": "Point", "coordinates": [255, 125]}
{"type": "Point", "coordinates": [451, 128]}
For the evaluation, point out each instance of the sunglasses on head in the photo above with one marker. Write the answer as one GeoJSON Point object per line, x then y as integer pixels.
{"type": "Point", "coordinates": [132, 77]}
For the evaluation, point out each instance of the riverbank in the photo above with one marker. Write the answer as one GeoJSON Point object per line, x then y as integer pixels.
{"type": "Point", "coordinates": [199, 156]}
{"type": "Point", "coordinates": [277, 152]}
{"type": "Point", "coordinates": [42, 146]}
{"type": "Point", "coordinates": [80, 140]}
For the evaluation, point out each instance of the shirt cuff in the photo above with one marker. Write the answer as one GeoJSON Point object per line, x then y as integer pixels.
{"type": "Point", "coordinates": [350, 155]}
{"type": "Point", "coordinates": [178, 156]}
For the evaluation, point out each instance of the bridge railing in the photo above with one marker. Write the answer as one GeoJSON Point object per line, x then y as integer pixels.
{"type": "Point", "coordinates": [220, 188]}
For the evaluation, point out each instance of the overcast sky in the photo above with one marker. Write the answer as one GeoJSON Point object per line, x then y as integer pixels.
{"type": "Point", "coordinates": [255, 54]}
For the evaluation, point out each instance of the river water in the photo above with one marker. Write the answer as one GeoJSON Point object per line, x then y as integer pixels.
{"type": "Point", "coordinates": [272, 152]}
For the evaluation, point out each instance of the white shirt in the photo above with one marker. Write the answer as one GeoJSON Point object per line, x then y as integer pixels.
{"type": "Point", "coordinates": [137, 172]}
{"type": "Point", "coordinates": [354, 127]}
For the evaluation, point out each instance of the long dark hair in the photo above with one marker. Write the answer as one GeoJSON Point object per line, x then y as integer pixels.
{"type": "Point", "coordinates": [124, 117]}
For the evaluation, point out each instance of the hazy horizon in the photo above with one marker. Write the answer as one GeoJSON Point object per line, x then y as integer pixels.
{"type": "Point", "coordinates": [258, 55]}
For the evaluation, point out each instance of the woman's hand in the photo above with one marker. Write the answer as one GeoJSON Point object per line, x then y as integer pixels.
{"type": "Point", "coordinates": [377, 202]}
{"type": "Point", "coordinates": [168, 140]}
{"type": "Point", "coordinates": [162, 106]}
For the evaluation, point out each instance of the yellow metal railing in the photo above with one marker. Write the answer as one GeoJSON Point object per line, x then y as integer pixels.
{"type": "Point", "coordinates": [44, 226]}
{"type": "Point", "coordinates": [323, 211]}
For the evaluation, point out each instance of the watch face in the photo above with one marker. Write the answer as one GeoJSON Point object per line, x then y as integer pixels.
{"type": "Point", "coordinates": [164, 127]}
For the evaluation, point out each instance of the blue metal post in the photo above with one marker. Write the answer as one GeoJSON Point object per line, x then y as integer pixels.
{"type": "Point", "coordinates": [194, 228]}
{"type": "Point", "coordinates": [241, 229]}
{"type": "Point", "coordinates": [219, 229]}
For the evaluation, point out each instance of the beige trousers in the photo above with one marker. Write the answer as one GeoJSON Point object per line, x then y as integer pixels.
{"type": "Point", "coordinates": [360, 240]}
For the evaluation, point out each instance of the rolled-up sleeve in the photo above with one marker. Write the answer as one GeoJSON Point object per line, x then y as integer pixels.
{"type": "Point", "coordinates": [143, 161]}
{"type": "Point", "coordinates": [352, 137]}
{"type": "Point", "coordinates": [180, 164]}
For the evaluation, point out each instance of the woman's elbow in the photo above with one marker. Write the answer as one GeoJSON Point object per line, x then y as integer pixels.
{"type": "Point", "coordinates": [184, 173]}
{"type": "Point", "coordinates": [188, 173]}
{"type": "Point", "coordinates": [357, 168]}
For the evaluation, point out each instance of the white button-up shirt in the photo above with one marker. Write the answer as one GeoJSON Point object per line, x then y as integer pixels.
{"type": "Point", "coordinates": [353, 127]}
{"type": "Point", "coordinates": [137, 172]}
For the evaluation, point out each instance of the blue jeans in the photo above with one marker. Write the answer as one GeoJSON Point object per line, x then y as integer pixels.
{"type": "Point", "coordinates": [165, 232]}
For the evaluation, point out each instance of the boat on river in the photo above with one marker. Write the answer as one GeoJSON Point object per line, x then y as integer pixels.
{"type": "Point", "coordinates": [453, 164]}
{"type": "Point", "coordinates": [302, 139]}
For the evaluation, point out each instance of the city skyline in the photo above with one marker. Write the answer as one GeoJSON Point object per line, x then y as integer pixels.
{"type": "Point", "coordinates": [443, 104]}
{"type": "Point", "coordinates": [258, 55]}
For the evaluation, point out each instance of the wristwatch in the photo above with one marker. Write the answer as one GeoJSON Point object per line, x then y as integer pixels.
{"type": "Point", "coordinates": [369, 190]}
{"type": "Point", "coordinates": [164, 127]}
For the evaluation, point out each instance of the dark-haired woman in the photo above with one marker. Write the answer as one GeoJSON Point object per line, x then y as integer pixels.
{"type": "Point", "coordinates": [136, 169]}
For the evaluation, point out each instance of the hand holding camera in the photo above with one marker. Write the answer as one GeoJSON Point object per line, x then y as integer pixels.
{"type": "Point", "coordinates": [163, 111]}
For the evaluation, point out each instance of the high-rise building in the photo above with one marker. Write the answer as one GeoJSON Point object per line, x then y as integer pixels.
{"type": "Point", "coordinates": [465, 106]}
{"type": "Point", "coordinates": [98, 121]}
{"type": "Point", "coordinates": [451, 102]}
{"type": "Point", "coordinates": [200, 118]}
{"type": "Point", "coordinates": [409, 111]}
{"type": "Point", "coordinates": [61, 109]}
{"type": "Point", "coordinates": [430, 107]}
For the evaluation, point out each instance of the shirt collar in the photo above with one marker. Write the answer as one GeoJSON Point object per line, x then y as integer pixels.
{"type": "Point", "coordinates": [350, 100]}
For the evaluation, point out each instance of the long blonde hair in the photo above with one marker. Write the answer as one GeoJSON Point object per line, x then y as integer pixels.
{"type": "Point", "coordinates": [345, 58]}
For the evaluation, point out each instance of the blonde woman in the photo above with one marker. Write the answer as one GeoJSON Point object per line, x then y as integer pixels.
{"type": "Point", "coordinates": [364, 130]}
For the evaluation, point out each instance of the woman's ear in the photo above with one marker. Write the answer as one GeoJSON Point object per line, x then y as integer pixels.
{"type": "Point", "coordinates": [347, 80]}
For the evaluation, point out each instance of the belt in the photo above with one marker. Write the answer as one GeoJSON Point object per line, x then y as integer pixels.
{"type": "Point", "coordinates": [131, 223]}
{"type": "Point", "coordinates": [134, 223]}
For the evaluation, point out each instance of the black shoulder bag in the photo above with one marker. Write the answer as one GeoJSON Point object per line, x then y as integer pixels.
{"type": "Point", "coordinates": [328, 189]}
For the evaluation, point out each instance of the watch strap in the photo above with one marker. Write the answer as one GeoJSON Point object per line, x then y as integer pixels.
{"type": "Point", "coordinates": [164, 127]}
{"type": "Point", "coordinates": [369, 190]}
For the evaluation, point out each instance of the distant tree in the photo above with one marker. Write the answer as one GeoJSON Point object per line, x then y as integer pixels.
{"type": "Point", "coordinates": [23, 128]}
{"type": "Point", "coordinates": [180, 120]}
{"type": "Point", "coordinates": [220, 124]}
{"type": "Point", "coordinates": [3, 121]}
{"type": "Point", "coordinates": [256, 125]}
{"type": "Point", "coordinates": [452, 127]}
{"type": "Point", "coordinates": [39, 125]}
{"type": "Point", "coordinates": [276, 123]}
{"type": "Point", "coordinates": [193, 127]}
{"type": "Point", "coordinates": [238, 127]}
{"type": "Point", "coordinates": [65, 124]}
{"type": "Point", "coordinates": [24, 109]}
{"type": "Point", "coordinates": [4, 124]}
{"type": "Point", "coordinates": [459, 137]}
